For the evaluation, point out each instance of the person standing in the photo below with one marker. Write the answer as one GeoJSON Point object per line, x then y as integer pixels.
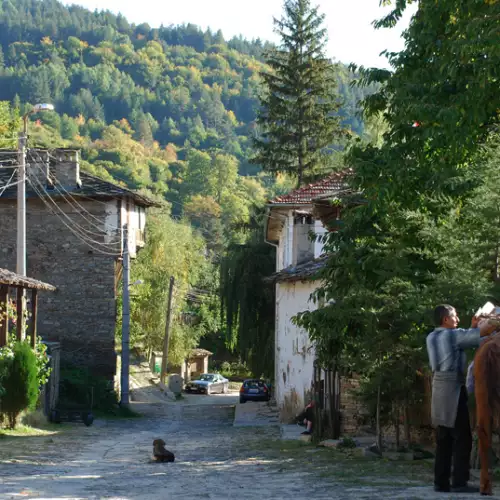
{"type": "Point", "coordinates": [450, 415]}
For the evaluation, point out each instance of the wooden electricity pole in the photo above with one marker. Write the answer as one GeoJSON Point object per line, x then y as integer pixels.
{"type": "Point", "coordinates": [167, 331]}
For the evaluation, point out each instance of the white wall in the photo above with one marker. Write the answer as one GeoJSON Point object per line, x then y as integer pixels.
{"type": "Point", "coordinates": [294, 242]}
{"type": "Point", "coordinates": [135, 218]}
{"type": "Point", "coordinates": [286, 243]}
{"type": "Point", "coordinates": [294, 351]}
{"type": "Point", "coordinates": [303, 247]}
{"type": "Point", "coordinates": [319, 230]}
{"type": "Point", "coordinates": [112, 222]}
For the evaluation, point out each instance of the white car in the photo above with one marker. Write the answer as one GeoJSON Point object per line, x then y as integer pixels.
{"type": "Point", "coordinates": [209, 383]}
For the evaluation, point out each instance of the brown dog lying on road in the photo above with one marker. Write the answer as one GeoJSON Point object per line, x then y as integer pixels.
{"type": "Point", "coordinates": [160, 453]}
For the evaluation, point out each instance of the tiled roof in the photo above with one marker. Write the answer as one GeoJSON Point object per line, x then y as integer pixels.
{"type": "Point", "coordinates": [91, 187]}
{"type": "Point", "coordinates": [12, 279]}
{"type": "Point", "coordinates": [306, 194]}
{"type": "Point", "coordinates": [301, 272]}
{"type": "Point", "coordinates": [199, 352]}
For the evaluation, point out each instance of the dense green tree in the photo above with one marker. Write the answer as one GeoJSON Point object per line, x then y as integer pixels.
{"type": "Point", "coordinates": [9, 125]}
{"type": "Point", "coordinates": [69, 128]}
{"type": "Point", "coordinates": [299, 105]}
{"type": "Point", "coordinates": [402, 243]}
{"type": "Point", "coordinates": [172, 250]}
{"type": "Point", "coordinates": [248, 305]}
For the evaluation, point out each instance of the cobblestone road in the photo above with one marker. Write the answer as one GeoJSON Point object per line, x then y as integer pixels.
{"type": "Point", "coordinates": [214, 460]}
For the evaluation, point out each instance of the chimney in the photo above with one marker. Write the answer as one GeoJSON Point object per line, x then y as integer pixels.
{"type": "Point", "coordinates": [65, 169]}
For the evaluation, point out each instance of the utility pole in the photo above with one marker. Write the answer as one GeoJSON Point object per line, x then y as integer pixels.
{"type": "Point", "coordinates": [21, 202]}
{"type": "Point", "coordinates": [21, 188]}
{"type": "Point", "coordinates": [167, 331]}
{"type": "Point", "coordinates": [21, 213]}
{"type": "Point", "coordinates": [124, 379]}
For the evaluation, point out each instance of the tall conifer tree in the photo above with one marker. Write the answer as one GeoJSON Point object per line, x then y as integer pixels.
{"type": "Point", "coordinates": [298, 116]}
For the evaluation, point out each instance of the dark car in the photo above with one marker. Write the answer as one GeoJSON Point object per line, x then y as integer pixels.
{"type": "Point", "coordinates": [255, 390]}
{"type": "Point", "coordinates": [209, 383]}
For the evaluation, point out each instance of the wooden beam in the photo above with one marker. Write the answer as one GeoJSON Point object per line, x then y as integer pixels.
{"type": "Point", "coordinates": [20, 313]}
{"type": "Point", "coordinates": [34, 310]}
{"type": "Point", "coordinates": [4, 320]}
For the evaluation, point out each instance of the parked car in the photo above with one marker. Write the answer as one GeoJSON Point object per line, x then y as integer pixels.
{"type": "Point", "coordinates": [209, 383]}
{"type": "Point", "coordinates": [254, 389]}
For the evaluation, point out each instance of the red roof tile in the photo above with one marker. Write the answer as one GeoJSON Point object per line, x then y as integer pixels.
{"type": "Point", "coordinates": [306, 194]}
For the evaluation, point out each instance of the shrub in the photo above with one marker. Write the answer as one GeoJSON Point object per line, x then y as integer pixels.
{"type": "Point", "coordinates": [77, 385]}
{"type": "Point", "coordinates": [235, 370]}
{"type": "Point", "coordinates": [225, 368]}
{"type": "Point", "coordinates": [346, 443]}
{"type": "Point", "coordinates": [20, 383]}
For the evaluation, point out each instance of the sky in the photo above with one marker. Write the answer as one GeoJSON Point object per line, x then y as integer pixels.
{"type": "Point", "coordinates": [351, 35]}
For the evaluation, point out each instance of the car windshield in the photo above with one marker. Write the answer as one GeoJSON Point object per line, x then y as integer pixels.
{"type": "Point", "coordinates": [255, 384]}
{"type": "Point", "coordinates": [207, 377]}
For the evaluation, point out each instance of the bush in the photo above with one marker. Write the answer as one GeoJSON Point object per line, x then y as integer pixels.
{"type": "Point", "coordinates": [234, 371]}
{"type": "Point", "coordinates": [20, 384]}
{"type": "Point", "coordinates": [76, 387]}
{"type": "Point", "coordinates": [346, 443]}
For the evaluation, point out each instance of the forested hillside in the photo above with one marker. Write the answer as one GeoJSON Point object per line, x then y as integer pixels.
{"type": "Point", "coordinates": [168, 110]}
{"type": "Point", "coordinates": [172, 85]}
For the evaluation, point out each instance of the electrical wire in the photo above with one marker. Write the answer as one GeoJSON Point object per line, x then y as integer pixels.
{"type": "Point", "coordinates": [81, 210]}
{"type": "Point", "coordinates": [43, 195]}
{"type": "Point", "coordinates": [83, 229]}
{"type": "Point", "coordinates": [9, 184]}
{"type": "Point", "coordinates": [82, 196]}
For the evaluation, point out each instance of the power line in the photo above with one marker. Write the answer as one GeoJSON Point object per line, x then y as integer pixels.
{"type": "Point", "coordinates": [82, 196]}
{"type": "Point", "coordinates": [9, 184]}
{"type": "Point", "coordinates": [100, 233]}
{"type": "Point", "coordinates": [78, 235]}
{"type": "Point", "coordinates": [65, 194]}
{"type": "Point", "coordinates": [72, 226]}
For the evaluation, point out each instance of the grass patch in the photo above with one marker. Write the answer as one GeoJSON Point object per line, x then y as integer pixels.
{"type": "Point", "coordinates": [234, 386]}
{"type": "Point", "coordinates": [342, 466]}
{"type": "Point", "coordinates": [28, 431]}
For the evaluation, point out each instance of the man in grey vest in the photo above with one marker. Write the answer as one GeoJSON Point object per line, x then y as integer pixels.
{"type": "Point", "coordinates": [450, 415]}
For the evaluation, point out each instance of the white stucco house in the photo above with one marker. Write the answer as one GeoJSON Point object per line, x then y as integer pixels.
{"type": "Point", "coordinates": [295, 225]}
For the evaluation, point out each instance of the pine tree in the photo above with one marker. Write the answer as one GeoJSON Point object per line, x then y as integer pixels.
{"type": "Point", "coordinates": [298, 116]}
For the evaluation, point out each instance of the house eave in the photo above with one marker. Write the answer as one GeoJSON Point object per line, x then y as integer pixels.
{"type": "Point", "coordinates": [306, 271]}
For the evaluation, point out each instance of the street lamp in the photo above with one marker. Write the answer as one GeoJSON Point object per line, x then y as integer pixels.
{"type": "Point", "coordinates": [21, 188]}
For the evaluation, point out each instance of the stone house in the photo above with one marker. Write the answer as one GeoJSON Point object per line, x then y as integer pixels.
{"type": "Point", "coordinates": [75, 224]}
{"type": "Point", "coordinates": [296, 224]}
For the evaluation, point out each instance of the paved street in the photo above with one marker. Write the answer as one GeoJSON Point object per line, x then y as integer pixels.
{"type": "Point", "coordinates": [214, 460]}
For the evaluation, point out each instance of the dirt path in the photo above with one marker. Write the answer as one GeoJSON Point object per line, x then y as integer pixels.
{"type": "Point", "coordinates": [214, 461]}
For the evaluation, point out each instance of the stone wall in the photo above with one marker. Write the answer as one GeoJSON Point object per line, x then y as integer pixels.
{"type": "Point", "coordinates": [351, 408]}
{"type": "Point", "coordinates": [81, 314]}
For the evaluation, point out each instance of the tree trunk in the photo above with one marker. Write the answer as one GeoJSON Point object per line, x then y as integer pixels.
{"type": "Point", "coordinates": [407, 426]}
{"type": "Point", "coordinates": [379, 429]}
{"type": "Point", "coordinates": [397, 428]}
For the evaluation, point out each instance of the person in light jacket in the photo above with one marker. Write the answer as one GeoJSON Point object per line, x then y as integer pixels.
{"type": "Point", "coordinates": [450, 415]}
